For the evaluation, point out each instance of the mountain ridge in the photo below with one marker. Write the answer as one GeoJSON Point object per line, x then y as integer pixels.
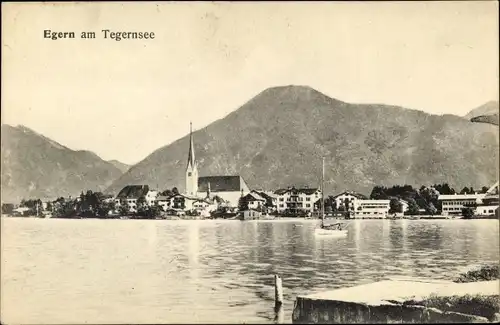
{"type": "Point", "coordinates": [34, 166]}
{"type": "Point", "coordinates": [123, 167]}
{"type": "Point", "coordinates": [278, 137]}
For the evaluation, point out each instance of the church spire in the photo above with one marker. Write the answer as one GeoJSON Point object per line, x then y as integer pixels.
{"type": "Point", "coordinates": [192, 168]}
{"type": "Point", "coordinates": [191, 159]}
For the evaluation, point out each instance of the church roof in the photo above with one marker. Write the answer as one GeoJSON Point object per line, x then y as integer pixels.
{"type": "Point", "coordinates": [221, 184]}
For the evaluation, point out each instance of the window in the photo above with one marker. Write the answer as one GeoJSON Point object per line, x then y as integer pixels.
{"type": "Point", "coordinates": [308, 199]}
{"type": "Point", "coordinates": [281, 199]}
{"type": "Point", "coordinates": [189, 173]}
{"type": "Point", "coordinates": [308, 205]}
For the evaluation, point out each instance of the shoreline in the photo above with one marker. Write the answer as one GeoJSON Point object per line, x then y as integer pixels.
{"type": "Point", "coordinates": [279, 219]}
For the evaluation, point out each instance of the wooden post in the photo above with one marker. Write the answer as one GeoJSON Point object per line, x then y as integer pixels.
{"type": "Point", "coordinates": [278, 300]}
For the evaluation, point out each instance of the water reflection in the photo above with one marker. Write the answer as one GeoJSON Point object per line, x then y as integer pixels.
{"type": "Point", "coordinates": [213, 271]}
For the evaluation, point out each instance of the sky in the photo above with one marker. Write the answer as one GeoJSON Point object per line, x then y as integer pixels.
{"type": "Point", "coordinates": [125, 99]}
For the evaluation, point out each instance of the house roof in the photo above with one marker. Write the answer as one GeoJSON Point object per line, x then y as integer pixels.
{"type": "Point", "coordinates": [267, 196]}
{"type": "Point", "coordinates": [461, 197]}
{"type": "Point", "coordinates": [133, 191]}
{"type": "Point", "coordinates": [252, 196]}
{"type": "Point", "coordinates": [355, 194]}
{"type": "Point", "coordinates": [305, 190]}
{"type": "Point", "coordinates": [222, 184]}
{"type": "Point", "coordinates": [189, 197]}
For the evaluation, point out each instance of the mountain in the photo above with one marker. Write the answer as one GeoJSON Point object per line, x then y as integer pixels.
{"type": "Point", "coordinates": [118, 164]}
{"type": "Point", "coordinates": [491, 107]}
{"type": "Point", "coordinates": [34, 166]}
{"type": "Point", "coordinates": [277, 139]}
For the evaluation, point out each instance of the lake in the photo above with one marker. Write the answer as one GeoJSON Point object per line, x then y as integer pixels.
{"type": "Point", "coordinates": [148, 271]}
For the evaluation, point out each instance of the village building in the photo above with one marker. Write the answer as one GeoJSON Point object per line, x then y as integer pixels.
{"type": "Point", "coordinates": [483, 204]}
{"type": "Point", "coordinates": [271, 199]}
{"type": "Point", "coordinates": [254, 201]}
{"type": "Point", "coordinates": [345, 200]}
{"type": "Point", "coordinates": [151, 197]}
{"type": "Point", "coordinates": [371, 208]}
{"type": "Point", "coordinates": [163, 202]}
{"type": "Point", "coordinates": [230, 188]}
{"type": "Point", "coordinates": [452, 204]}
{"type": "Point", "coordinates": [360, 206]}
{"type": "Point", "coordinates": [131, 194]}
{"type": "Point", "coordinates": [404, 205]}
{"type": "Point", "coordinates": [298, 200]}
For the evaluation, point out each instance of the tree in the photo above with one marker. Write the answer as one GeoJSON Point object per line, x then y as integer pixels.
{"type": "Point", "coordinates": [465, 190]}
{"type": "Point", "coordinates": [175, 190]}
{"type": "Point", "coordinates": [105, 208]}
{"type": "Point", "coordinates": [154, 211]}
{"type": "Point", "coordinates": [378, 193]}
{"type": "Point", "coordinates": [242, 204]}
{"type": "Point", "coordinates": [444, 189]}
{"type": "Point", "coordinates": [431, 209]}
{"type": "Point", "coordinates": [484, 189]}
{"type": "Point", "coordinates": [7, 208]}
{"type": "Point", "coordinates": [141, 205]}
{"type": "Point", "coordinates": [124, 210]}
{"type": "Point", "coordinates": [395, 206]}
{"type": "Point", "coordinates": [468, 213]}
{"type": "Point", "coordinates": [65, 208]}
{"type": "Point", "coordinates": [413, 208]}
{"type": "Point", "coordinates": [167, 192]}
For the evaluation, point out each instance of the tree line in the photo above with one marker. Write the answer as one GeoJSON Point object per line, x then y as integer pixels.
{"type": "Point", "coordinates": [423, 198]}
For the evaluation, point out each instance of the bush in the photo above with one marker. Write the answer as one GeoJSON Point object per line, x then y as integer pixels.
{"type": "Point", "coordinates": [467, 213]}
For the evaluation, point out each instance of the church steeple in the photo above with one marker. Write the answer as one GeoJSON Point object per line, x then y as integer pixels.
{"type": "Point", "coordinates": [191, 168]}
{"type": "Point", "coordinates": [191, 159]}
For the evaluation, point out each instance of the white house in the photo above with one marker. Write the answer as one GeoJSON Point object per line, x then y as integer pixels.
{"type": "Point", "coordinates": [163, 202]}
{"type": "Point", "coordinates": [371, 208]}
{"type": "Point", "coordinates": [486, 210]}
{"type": "Point", "coordinates": [271, 199]}
{"type": "Point", "coordinates": [347, 198]}
{"type": "Point", "coordinates": [452, 204]}
{"type": "Point", "coordinates": [254, 201]}
{"type": "Point", "coordinates": [405, 205]}
{"type": "Point", "coordinates": [298, 200]}
{"type": "Point", "coordinates": [151, 197]}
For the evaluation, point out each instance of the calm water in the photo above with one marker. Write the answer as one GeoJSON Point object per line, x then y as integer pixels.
{"type": "Point", "coordinates": [127, 271]}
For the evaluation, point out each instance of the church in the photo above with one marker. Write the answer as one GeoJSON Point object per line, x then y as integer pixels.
{"type": "Point", "coordinates": [227, 187]}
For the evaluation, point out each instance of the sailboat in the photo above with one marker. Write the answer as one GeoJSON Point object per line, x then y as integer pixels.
{"type": "Point", "coordinates": [333, 230]}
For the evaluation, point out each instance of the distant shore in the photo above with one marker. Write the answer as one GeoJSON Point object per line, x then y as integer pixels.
{"type": "Point", "coordinates": [176, 218]}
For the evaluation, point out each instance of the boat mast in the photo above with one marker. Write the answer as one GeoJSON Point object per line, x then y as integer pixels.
{"type": "Point", "coordinates": [322, 191]}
